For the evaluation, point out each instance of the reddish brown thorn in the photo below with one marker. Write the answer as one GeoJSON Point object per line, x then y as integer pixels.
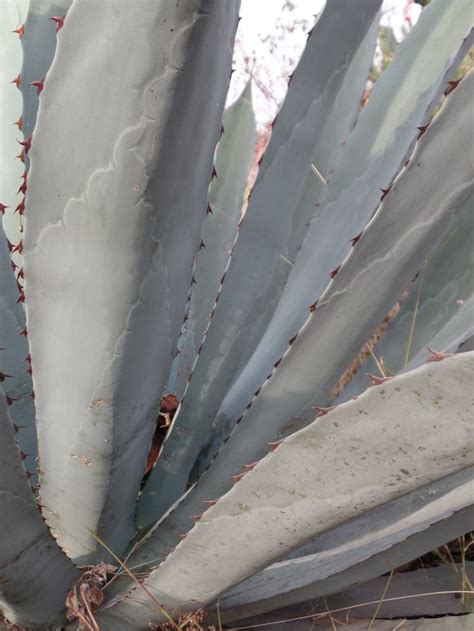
{"type": "Point", "coordinates": [249, 405]}
{"type": "Point", "coordinates": [21, 274]}
{"type": "Point", "coordinates": [193, 281]}
{"type": "Point", "coordinates": [28, 359]}
{"type": "Point", "coordinates": [452, 85]}
{"type": "Point", "coordinates": [23, 455]}
{"type": "Point", "coordinates": [273, 446]}
{"type": "Point", "coordinates": [375, 380]}
{"type": "Point", "coordinates": [29, 474]}
{"type": "Point", "coordinates": [334, 271]}
{"type": "Point", "coordinates": [202, 245]}
{"type": "Point", "coordinates": [356, 239]}
{"type": "Point", "coordinates": [39, 85]}
{"type": "Point", "coordinates": [26, 144]}
{"type": "Point", "coordinates": [222, 130]}
{"type": "Point", "coordinates": [323, 411]}
{"type": "Point", "coordinates": [3, 208]}
{"type": "Point", "coordinates": [257, 392]}
{"type": "Point", "coordinates": [10, 399]}
{"type": "Point", "coordinates": [24, 332]}
{"type": "Point", "coordinates": [21, 298]}
{"type": "Point", "coordinates": [195, 517]}
{"type": "Point", "coordinates": [20, 209]}
{"type": "Point", "coordinates": [3, 376]}
{"type": "Point", "coordinates": [33, 395]}
{"type": "Point", "coordinates": [249, 467]}
{"type": "Point", "coordinates": [210, 502]}
{"type": "Point", "coordinates": [19, 123]}
{"type": "Point", "coordinates": [437, 356]}
{"type": "Point", "coordinates": [22, 188]}
{"type": "Point", "coordinates": [10, 246]}
{"type": "Point", "coordinates": [223, 277]}
{"type": "Point", "coordinates": [236, 478]}
{"type": "Point", "coordinates": [189, 377]}
{"type": "Point", "coordinates": [292, 339]}
{"type": "Point", "coordinates": [16, 428]}
{"type": "Point", "coordinates": [214, 172]}
{"type": "Point", "coordinates": [385, 192]}
{"type": "Point", "coordinates": [421, 129]}
{"type": "Point", "coordinates": [290, 78]}
{"type": "Point", "coordinates": [18, 247]}
{"type": "Point", "coordinates": [29, 371]}
{"type": "Point", "coordinates": [209, 210]}
{"type": "Point", "coordinates": [312, 308]}
{"type": "Point", "coordinates": [21, 155]}
{"type": "Point", "coordinates": [277, 363]}
{"type": "Point", "coordinates": [20, 31]}
{"type": "Point", "coordinates": [14, 265]}
{"type": "Point", "coordinates": [17, 80]}
{"type": "Point", "coordinates": [199, 350]}
{"type": "Point", "coordinates": [59, 21]}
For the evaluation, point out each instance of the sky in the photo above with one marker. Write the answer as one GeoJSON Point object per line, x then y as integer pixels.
{"type": "Point", "coordinates": [271, 36]}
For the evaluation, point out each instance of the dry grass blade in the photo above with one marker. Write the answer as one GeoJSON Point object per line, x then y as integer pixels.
{"type": "Point", "coordinates": [136, 581]}
{"type": "Point", "coordinates": [341, 609]}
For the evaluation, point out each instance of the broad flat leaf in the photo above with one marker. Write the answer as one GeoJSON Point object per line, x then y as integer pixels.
{"type": "Point", "coordinates": [394, 439]}
{"type": "Point", "coordinates": [431, 315]}
{"type": "Point", "coordinates": [428, 591]}
{"type": "Point", "coordinates": [34, 573]}
{"type": "Point", "coordinates": [14, 379]}
{"type": "Point", "coordinates": [226, 193]}
{"type": "Point", "coordinates": [370, 281]}
{"type": "Point", "coordinates": [360, 549]}
{"type": "Point", "coordinates": [254, 278]}
{"type": "Point", "coordinates": [403, 99]}
{"type": "Point", "coordinates": [12, 16]}
{"type": "Point", "coordinates": [110, 241]}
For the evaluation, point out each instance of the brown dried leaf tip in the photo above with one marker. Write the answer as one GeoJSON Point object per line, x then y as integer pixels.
{"type": "Point", "coordinates": [187, 622]}
{"type": "Point", "coordinates": [168, 406]}
{"type": "Point", "coordinates": [86, 595]}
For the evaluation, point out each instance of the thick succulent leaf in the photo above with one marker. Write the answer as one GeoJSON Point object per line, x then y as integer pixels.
{"type": "Point", "coordinates": [428, 591]}
{"type": "Point", "coordinates": [402, 99]}
{"type": "Point", "coordinates": [14, 378]}
{"type": "Point", "coordinates": [331, 142]}
{"type": "Point", "coordinates": [39, 45]}
{"type": "Point", "coordinates": [12, 15]}
{"type": "Point", "coordinates": [256, 269]}
{"type": "Point", "coordinates": [226, 194]}
{"type": "Point", "coordinates": [360, 549]}
{"type": "Point", "coordinates": [416, 215]}
{"type": "Point", "coordinates": [289, 497]}
{"type": "Point", "coordinates": [109, 247]}
{"type": "Point", "coordinates": [34, 573]}
{"type": "Point", "coordinates": [438, 312]}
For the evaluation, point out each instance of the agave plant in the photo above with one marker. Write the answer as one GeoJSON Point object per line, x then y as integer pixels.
{"type": "Point", "coordinates": [129, 273]}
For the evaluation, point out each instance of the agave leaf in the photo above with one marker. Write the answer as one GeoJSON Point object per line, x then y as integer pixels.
{"type": "Point", "coordinates": [289, 497]}
{"type": "Point", "coordinates": [372, 278]}
{"type": "Point", "coordinates": [361, 549]}
{"type": "Point", "coordinates": [256, 269]}
{"type": "Point", "coordinates": [232, 162]}
{"type": "Point", "coordinates": [14, 378]}
{"type": "Point", "coordinates": [226, 194]}
{"type": "Point", "coordinates": [12, 15]}
{"type": "Point", "coordinates": [39, 45]}
{"type": "Point", "coordinates": [402, 99]}
{"type": "Point", "coordinates": [109, 247]}
{"type": "Point", "coordinates": [34, 574]}
{"type": "Point", "coordinates": [428, 591]}
{"type": "Point", "coordinates": [431, 316]}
